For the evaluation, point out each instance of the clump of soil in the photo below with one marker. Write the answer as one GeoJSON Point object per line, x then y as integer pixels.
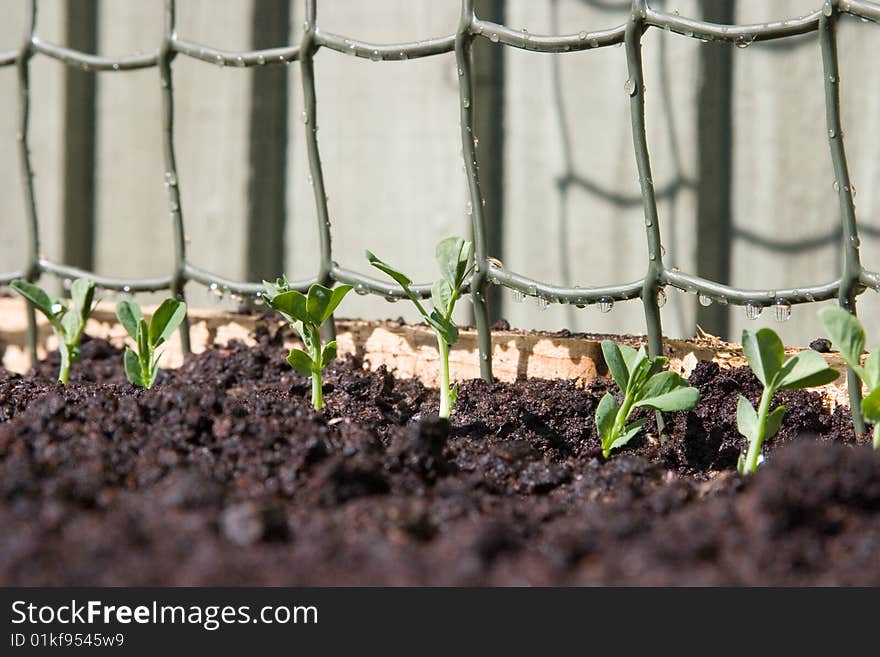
{"type": "Point", "coordinates": [224, 475]}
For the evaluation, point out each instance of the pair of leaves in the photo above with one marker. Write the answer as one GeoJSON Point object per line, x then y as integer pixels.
{"type": "Point", "coordinates": [303, 363]}
{"type": "Point", "coordinates": [167, 317]}
{"type": "Point", "coordinates": [313, 308]}
{"type": "Point", "coordinates": [644, 382]}
{"type": "Point", "coordinates": [765, 354]}
{"type": "Point", "coordinates": [142, 366]}
{"type": "Point", "coordinates": [66, 321]}
{"type": "Point", "coordinates": [848, 336]}
{"type": "Point", "coordinates": [453, 255]}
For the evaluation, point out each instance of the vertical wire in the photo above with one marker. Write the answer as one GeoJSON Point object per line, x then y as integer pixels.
{"type": "Point", "coordinates": [479, 281]}
{"type": "Point", "coordinates": [852, 267]}
{"type": "Point", "coordinates": [635, 86]}
{"type": "Point", "coordinates": [32, 268]}
{"type": "Point", "coordinates": [172, 184]}
{"type": "Point", "coordinates": [310, 117]}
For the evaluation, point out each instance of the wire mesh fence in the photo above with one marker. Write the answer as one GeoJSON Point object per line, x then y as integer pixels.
{"type": "Point", "coordinates": [852, 281]}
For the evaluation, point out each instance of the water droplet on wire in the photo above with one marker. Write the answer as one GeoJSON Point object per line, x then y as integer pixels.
{"type": "Point", "coordinates": [753, 310]}
{"type": "Point", "coordinates": [782, 310]}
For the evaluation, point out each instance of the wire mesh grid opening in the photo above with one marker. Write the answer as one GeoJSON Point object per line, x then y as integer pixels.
{"type": "Point", "coordinates": [852, 281]}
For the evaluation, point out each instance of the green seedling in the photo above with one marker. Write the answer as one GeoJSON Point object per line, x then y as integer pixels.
{"type": "Point", "coordinates": [307, 313]}
{"type": "Point", "coordinates": [68, 323]}
{"type": "Point", "coordinates": [453, 256]}
{"type": "Point", "coordinates": [644, 382]}
{"type": "Point", "coordinates": [848, 337]}
{"type": "Point", "coordinates": [765, 353]}
{"type": "Point", "coordinates": [142, 366]}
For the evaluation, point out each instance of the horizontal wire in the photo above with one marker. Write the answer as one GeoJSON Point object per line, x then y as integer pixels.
{"type": "Point", "coordinates": [388, 52]}
{"type": "Point", "coordinates": [7, 277]}
{"type": "Point", "coordinates": [94, 62]}
{"type": "Point", "coordinates": [283, 55]}
{"type": "Point", "coordinates": [861, 8]}
{"type": "Point", "coordinates": [198, 275]}
{"type": "Point", "coordinates": [107, 282]}
{"type": "Point", "coordinates": [742, 297]}
{"type": "Point", "coordinates": [547, 43]}
{"type": "Point", "coordinates": [739, 34]}
{"type": "Point", "coordinates": [575, 295]}
{"type": "Point", "coordinates": [9, 57]}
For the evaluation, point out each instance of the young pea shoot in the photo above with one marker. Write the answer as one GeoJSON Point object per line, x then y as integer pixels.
{"type": "Point", "coordinates": [644, 383]}
{"type": "Point", "coordinates": [453, 255]}
{"type": "Point", "coordinates": [307, 313]}
{"type": "Point", "coordinates": [848, 337]}
{"type": "Point", "coordinates": [142, 366]}
{"type": "Point", "coordinates": [764, 351]}
{"type": "Point", "coordinates": [67, 323]}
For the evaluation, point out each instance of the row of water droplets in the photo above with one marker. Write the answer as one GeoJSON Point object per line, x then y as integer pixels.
{"type": "Point", "coordinates": [604, 304]}
{"type": "Point", "coordinates": [753, 310]}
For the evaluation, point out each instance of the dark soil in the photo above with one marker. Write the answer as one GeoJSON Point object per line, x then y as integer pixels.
{"type": "Point", "coordinates": [222, 474]}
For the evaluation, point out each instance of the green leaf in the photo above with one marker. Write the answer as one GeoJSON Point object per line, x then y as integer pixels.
{"type": "Point", "coordinates": [667, 391]}
{"type": "Point", "coordinates": [272, 290]}
{"type": "Point", "coordinates": [322, 301]}
{"type": "Point", "coordinates": [872, 370]}
{"type": "Point", "coordinates": [317, 301]}
{"type": "Point", "coordinates": [639, 375]}
{"type": "Point", "coordinates": [741, 464]}
{"type": "Point", "coordinates": [129, 315]}
{"type": "Point", "coordinates": [292, 304]}
{"type": "Point", "coordinates": [445, 327]}
{"type": "Point", "coordinates": [774, 421]}
{"type": "Point", "coordinates": [452, 255]}
{"type": "Point", "coordinates": [871, 406]}
{"type": "Point", "coordinates": [328, 354]}
{"type": "Point", "coordinates": [401, 278]}
{"type": "Point", "coordinates": [606, 411]}
{"type": "Point", "coordinates": [301, 362]}
{"type": "Point", "coordinates": [846, 333]}
{"type": "Point", "coordinates": [42, 301]}
{"type": "Point", "coordinates": [765, 353]}
{"type": "Point", "coordinates": [82, 291]}
{"type": "Point", "coordinates": [453, 395]}
{"type": "Point", "coordinates": [810, 369]}
{"type": "Point", "coordinates": [143, 339]}
{"type": "Point", "coordinates": [167, 317]}
{"type": "Point", "coordinates": [336, 298]}
{"type": "Point", "coordinates": [660, 384]}
{"type": "Point", "coordinates": [71, 324]}
{"type": "Point", "coordinates": [133, 368]}
{"type": "Point", "coordinates": [617, 366]}
{"type": "Point", "coordinates": [632, 357]}
{"type": "Point", "coordinates": [746, 418]}
{"type": "Point", "coordinates": [628, 434]}
{"type": "Point", "coordinates": [441, 296]}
